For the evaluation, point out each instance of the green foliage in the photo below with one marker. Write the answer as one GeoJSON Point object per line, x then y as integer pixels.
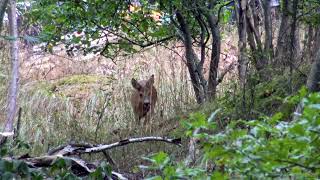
{"type": "Point", "coordinates": [310, 9]}
{"type": "Point", "coordinates": [265, 148]}
{"type": "Point", "coordinates": [102, 171]}
{"type": "Point", "coordinates": [16, 169]}
{"type": "Point", "coordinates": [169, 170]}
{"type": "Point", "coordinates": [79, 23]}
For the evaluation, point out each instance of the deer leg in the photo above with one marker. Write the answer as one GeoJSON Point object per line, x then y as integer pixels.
{"type": "Point", "coordinates": [146, 122]}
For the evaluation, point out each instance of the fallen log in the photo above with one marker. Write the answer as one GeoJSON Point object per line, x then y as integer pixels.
{"type": "Point", "coordinates": [79, 166]}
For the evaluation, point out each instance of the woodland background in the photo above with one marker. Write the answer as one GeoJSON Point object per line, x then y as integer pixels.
{"type": "Point", "coordinates": [238, 87]}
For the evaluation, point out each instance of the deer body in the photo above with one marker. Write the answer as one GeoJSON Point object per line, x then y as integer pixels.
{"type": "Point", "coordinates": [143, 99]}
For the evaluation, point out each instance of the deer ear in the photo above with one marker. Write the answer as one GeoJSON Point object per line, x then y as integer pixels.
{"type": "Point", "coordinates": [151, 80]}
{"type": "Point", "coordinates": [135, 84]}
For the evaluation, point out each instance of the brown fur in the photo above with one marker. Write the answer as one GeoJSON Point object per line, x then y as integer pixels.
{"type": "Point", "coordinates": [143, 99]}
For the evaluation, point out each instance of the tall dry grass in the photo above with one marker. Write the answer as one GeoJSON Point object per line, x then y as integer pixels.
{"type": "Point", "coordinates": [4, 77]}
{"type": "Point", "coordinates": [86, 99]}
{"type": "Point", "coordinates": [88, 109]}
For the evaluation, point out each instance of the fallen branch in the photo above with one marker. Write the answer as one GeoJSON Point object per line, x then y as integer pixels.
{"type": "Point", "coordinates": [129, 141]}
{"type": "Point", "coordinates": [78, 166]}
{"type": "Point", "coordinates": [76, 149]}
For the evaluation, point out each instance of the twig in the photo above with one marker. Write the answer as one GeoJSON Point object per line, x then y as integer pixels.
{"type": "Point", "coordinates": [17, 132]}
{"type": "Point", "coordinates": [105, 105]}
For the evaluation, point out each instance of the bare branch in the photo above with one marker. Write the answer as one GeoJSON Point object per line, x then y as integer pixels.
{"type": "Point", "coordinates": [72, 149]}
{"type": "Point", "coordinates": [129, 141]}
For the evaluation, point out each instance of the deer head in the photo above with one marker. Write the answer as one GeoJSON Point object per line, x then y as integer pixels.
{"type": "Point", "coordinates": [144, 97]}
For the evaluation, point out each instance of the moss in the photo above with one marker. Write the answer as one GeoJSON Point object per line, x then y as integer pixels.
{"type": "Point", "coordinates": [84, 79]}
{"type": "Point", "coordinates": [72, 85]}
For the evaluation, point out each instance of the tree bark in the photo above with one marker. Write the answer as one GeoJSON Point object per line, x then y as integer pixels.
{"type": "Point", "coordinates": [3, 6]}
{"type": "Point", "coordinates": [283, 35]}
{"type": "Point", "coordinates": [192, 59]}
{"type": "Point", "coordinates": [293, 42]}
{"type": "Point", "coordinates": [13, 90]}
{"type": "Point", "coordinates": [215, 57]}
{"type": "Point", "coordinates": [242, 25]}
{"type": "Point", "coordinates": [268, 47]}
{"type": "Point", "coordinates": [242, 57]}
{"type": "Point", "coordinates": [316, 43]}
{"type": "Point", "coordinates": [313, 82]}
{"type": "Point", "coordinates": [283, 51]}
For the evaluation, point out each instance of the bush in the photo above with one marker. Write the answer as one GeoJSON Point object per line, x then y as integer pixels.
{"type": "Point", "coordinates": [264, 148]}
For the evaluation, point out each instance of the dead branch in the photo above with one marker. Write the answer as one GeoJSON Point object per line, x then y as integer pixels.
{"type": "Point", "coordinates": [78, 166]}
{"type": "Point", "coordinates": [76, 149]}
{"type": "Point", "coordinates": [129, 141]}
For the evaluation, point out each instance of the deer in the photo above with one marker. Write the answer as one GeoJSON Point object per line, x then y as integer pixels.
{"type": "Point", "coordinates": [143, 99]}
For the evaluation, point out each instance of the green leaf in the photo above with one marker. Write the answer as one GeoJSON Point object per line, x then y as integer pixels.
{"type": "Point", "coordinates": [7, 175]}
{"type": "Point", "coordinates": [161, 158]}
{"type": "Point", "coordinates": [3, 151]}
{"type": "Point", "coordinates": [218, 175]}
{"type": "Point", "coordinates": [6, 166]}
{"type": "Point", "coordinates": [23, 168]}
{"type": "Point", "coordinates": [297, 129]}
{"type": "Point", "coordinates": [97, 174]}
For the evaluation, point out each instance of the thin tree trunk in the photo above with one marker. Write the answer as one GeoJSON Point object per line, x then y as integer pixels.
{"type": "Point", "coordinates": [242, 59]}
{"type": "Point", "coordinates": [13, 90]}
{"type": "Point", "coordinates": [215, 56]}
{"type": "Point", "coordinates": [268, 47]}
{"type": "Point", "coordinates": [313, 82]}
{"type": "Point", "coordinates": [242, 25]}
{"type": "Point", "coordinates": [283, 35]}
{"type": "Point", "coordinates": [192, 59]}
{"type": "Point", "coordinates": [316, 43]}
{"type": "Point", "coordinates": [293, 42]}
{"type": "Point", "coordinates": [250, 29]}
{"type": "Point", "coordinates": [3, 6]}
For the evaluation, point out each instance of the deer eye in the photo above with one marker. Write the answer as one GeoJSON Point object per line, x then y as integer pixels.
{"type": "Point", "coordinates": [141, 94]}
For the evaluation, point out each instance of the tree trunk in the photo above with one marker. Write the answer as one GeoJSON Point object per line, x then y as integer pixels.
{"type": "Point", "coordinates": [242, 25]}
{"type": "Point", "coordinates": [242, 58]}
{"type": "Point", "coordinates": [3, 6]}
{"type": "Point", "coordinates": [192, 60]}
{"type": "Point", "coordinates": [313, 82]}
{"type": "Point", "coordinates": [13, 90]}
{"type": "Point", "coordinates": [283, 35]}
{"type": "Point", "coordinates": [215, 56]}
{"type": "Point", "coordinates": [293, 42]}
{"type": "Point", "coordinates": [316, 43]}
{"type": "Point", "coordinates": [283, 51]}
{"type": "Point", "coordinates": [268, 47]}
{"type": "Point", "coordinates": [307, 44]}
